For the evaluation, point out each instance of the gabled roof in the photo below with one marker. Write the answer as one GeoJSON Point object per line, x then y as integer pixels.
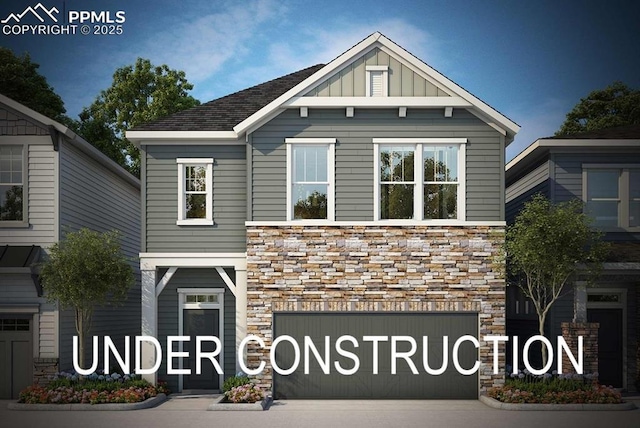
{"type": "Point", "coordinates": [56, 127]}
{"type": "Point", "coordinates": [609, 139]}
{"type": "Point", "coordinates": [234, 115]}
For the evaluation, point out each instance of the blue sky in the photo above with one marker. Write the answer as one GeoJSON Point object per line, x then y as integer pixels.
{"type": "Point", "coordinates": [531, 60]}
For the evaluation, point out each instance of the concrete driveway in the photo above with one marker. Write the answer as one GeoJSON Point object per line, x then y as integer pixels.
{"type": "Point", "coordinates": [191, 412]}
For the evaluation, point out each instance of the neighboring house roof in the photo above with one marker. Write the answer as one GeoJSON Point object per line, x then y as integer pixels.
{"type": "Point", "coordinates": [618, 138]}
{"type": "Point", "coordinates": [624, 252]}
{"type": "Point", "coordinates": [56, 127]}
{"type": "Point", "coordinates": [224, 113]}
{"type": "Point", "coordinates": [232, 116]}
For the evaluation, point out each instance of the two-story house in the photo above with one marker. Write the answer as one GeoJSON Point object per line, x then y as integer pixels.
{"type": "Point", "coordinates": [364, 197]}
{"type": "Point", "coordinates": [51, 182]}
{"type": "Point", "coordinates": [601, 168]}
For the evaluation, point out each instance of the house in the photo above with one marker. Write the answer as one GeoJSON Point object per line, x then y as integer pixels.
{"type": "Point", "coordinates": [601, 168]}
{"type": "Point", "coordinates": [52, 181]}
{"type": "Point", "coordinates": [364, 197]}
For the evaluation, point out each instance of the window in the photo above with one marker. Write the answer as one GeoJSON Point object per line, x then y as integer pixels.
{"type": "Point", "coordinates": [612, 195]}
{"type": "Point", "coordinates": [419, 179]}
{"type": "Point", "coordinates": [310, 176]}
{"type": "Point", "coordinates": [377, 83]}
{"type": "Point", "coordinates": [195, 192]}
{"type": "Point", "coordinates": [12, 201]}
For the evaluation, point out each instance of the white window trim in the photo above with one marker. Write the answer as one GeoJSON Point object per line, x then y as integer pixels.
{"type": "Point", "coordinates": [182, 209]}
{"type": "Point", "coordinates": [418, 196]}
{"type": "Point", "coordinates": [25, 191]}
{"type": "Point", "coordinates": [624, 193]}
{"type": "Point", "coordinates": [331, 166]}
{"type": "Point", "coordinates": [182, 304]}
{"type": "Point", "coordinates": [385, 79]}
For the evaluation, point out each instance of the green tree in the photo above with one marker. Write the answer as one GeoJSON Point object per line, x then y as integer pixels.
{"type": "Point", "coordinates": [84, 270]}
{"type": "Point", "coordinates": [20, 81]}
{"type": "Point", "coordinates": [139, 93]}
{"type": "Point", "coordinates": [615, 105]}
{"type": "Point", "coordinates": [547, 246]}
{"type": "Point", "coordinates": [314, 207]}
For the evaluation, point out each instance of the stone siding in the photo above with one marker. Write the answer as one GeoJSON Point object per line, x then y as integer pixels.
{"type": "Point", "coordinates": [376, 269]}
{"type": "Point", "coordinates": [589, 332]}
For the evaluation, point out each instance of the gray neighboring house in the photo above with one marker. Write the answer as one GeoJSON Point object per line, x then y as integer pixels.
{"type": "Point", "coordinates": [51, 181]}
{"type": "Point", "coordinates": [601, 168]}
{"type": "Point", "coordinates": [361, 197]}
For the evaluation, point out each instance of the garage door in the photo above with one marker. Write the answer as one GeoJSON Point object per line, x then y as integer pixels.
{"type": "Point", "coordinates": [16, 356]}
{"type": "Point", "coordinates": [364, 383]}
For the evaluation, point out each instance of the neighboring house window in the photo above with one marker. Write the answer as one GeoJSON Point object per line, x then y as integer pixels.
{"type": "Point", "coordinates": [419, 179]}
{"type": "Point", "coordinates": [377, 82]}
{"type": "Point", "coordinates": [12, 203]}
{"type": "Point", "coordinates": [310, 178]}
{"type": "Point", "coordinates": [195, 192]}
{"type": "Point", "coordinates": [612, 195]}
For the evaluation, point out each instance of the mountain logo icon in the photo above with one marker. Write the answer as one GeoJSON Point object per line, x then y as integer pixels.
{"type": "Point", "coordinates": [39, 11]}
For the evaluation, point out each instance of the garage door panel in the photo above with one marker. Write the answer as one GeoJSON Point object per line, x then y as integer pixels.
{"type": "Point", "coordinates": [364, 384]}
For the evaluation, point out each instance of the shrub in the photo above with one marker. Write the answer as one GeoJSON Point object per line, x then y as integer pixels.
{"type": "Point", "coordinates": [233, 381]}
{"type": "Point", "coordinates": [66, 388]}
{"type": "Point", "coordinates": [247, 393]}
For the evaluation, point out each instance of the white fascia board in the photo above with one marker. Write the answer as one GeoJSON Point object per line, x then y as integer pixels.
{"type": "Point", "coordinates": [377, 102]}
{"type": "Point", "coordinates": [564, 143]}
{"type": "Point", "coordinates": [152, 261]}
{"type": "Point", "coordinates": [434, 75]}
{"type": "Point", "coordinates": [377, 223]}
{"type": "Point", "coordinates": [444, 140]}
{"type": "Point", "coordinates": [306, 84]}
{"type": "Point", "coordinates": [138, 137]}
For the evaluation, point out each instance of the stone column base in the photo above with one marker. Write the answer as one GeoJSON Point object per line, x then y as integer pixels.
{"type": "Point", "coordinates": [43, 369]}
{"type": "Point", "coordinates": [589, 333]}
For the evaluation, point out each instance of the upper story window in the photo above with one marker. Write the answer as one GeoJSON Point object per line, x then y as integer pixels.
{"type": "Point", "coordinates": [310, 178]}
{"type": "Point", "coordinates": [377, 81]}
{"type": "Point", "coordinates": [612, 195]}
{"type": "Point", "coordinates": [419, 179]}
{"type": "Point", "coordinates": [195, 192]}
{"type": "Point", "coordinates": [12, 203]}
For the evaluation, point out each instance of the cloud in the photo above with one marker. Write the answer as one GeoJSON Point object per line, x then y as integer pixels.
{"type": "Point", "coordinates": [536, 121]}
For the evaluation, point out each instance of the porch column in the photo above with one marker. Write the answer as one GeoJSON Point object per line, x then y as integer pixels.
{"type": "Point", "coordinates": [149, 322]}
{"type": "Point", "coordinates": [241, 310]}
{"type": "Point", "coordinates": [580, 302]}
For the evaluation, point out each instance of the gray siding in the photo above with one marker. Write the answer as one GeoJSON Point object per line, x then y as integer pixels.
{"type": "Point", "coordinates": [354, 157]}
{"type": "Point", "coordinates": [14, 123]}
{"type": "Point", "coordinates": [168, 315]}
{"type": "Point", "coordinates": [229, 200]}
{"type": "Point", "coordinates": [351, 80]}
{"type": "Point", "coordinates": [94, 197]}
{"type": "Point", "coordinates": [520, 191]}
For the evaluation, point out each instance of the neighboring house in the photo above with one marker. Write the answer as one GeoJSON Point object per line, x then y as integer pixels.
{"type": "Point", "coordinates": [601, 168]}
{"type": "Point", "coordinates": [52, 181]}
{"type": "Point", "coordinates": [361, 197]}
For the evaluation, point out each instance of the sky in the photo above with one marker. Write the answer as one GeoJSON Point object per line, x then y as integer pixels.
{"type": "Point", "coordinates": [530, 60]}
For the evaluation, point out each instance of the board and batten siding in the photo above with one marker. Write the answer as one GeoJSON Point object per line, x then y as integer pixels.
{"type": "Point", "coordinates": [351, 80]}
{"type": "Point", "coordinates": [168, 316]}
{"type": "Point", "coordinates": [95, 197]}
{"type": "Point", "coordinates": [354, 157]}
{"type": "Point", "coordinates": [229, 200]}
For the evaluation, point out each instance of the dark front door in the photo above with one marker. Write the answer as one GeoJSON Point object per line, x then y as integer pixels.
{"type": "Point", "coordinates": [609, 345]}
{"type": "Point", "coordinates": [200, 322]}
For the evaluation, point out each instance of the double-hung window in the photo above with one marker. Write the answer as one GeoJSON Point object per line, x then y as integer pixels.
{"type": "Point", "coordinates": [612, 195]}
{"type": "Point", "coordinates": [419, 179]}
{"type": "Point", "coordinates": [12, 174]}
{"type": "Point", "coordinates": [310, 178]}
{"type": "Point", "coordinates": [195, 191]}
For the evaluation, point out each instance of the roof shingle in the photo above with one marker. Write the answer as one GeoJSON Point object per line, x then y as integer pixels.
{"type": "Point", "coordinates": [224, 113]}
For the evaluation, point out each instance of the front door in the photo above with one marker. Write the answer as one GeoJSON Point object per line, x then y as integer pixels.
{"type": "Point", "coordinates": [200, 322]}
{"type": "Point", "coordinates": [610, 341]}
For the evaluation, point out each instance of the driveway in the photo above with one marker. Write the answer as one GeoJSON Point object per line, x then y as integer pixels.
{"type": "Point", "coordinates": [191, 412]}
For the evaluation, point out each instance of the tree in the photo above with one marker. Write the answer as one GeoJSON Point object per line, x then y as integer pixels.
{"type": "Point", "coordinates": [615, 105]}
{"type": "Point", "coordinates": [20, 81]}
{"type": "Point", "coordinates": [315, 206]}
{"type": "Point", "coordinates": [85, 270]}
{"type": "Point", "coordinates": [140, 93]}
{"type": "Point", "coordinates": [547, 246]}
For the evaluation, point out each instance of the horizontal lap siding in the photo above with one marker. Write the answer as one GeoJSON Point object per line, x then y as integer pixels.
{"type": "Point", "coordinates": [229, 200]}
{"type": "Point", "coordinates": [94, 197]}
{"type": "Point", "coordinates": [354, 157]}
{"type": "Point", "coordinates": [520, 191]}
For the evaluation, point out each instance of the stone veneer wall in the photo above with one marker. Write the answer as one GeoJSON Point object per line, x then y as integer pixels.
{"type": "Point", "coordinates": [376, 269]}
{"type": "Point", "coordinates": [589, 333]}
{"type": "Point", "coordinates": [43, 369]}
